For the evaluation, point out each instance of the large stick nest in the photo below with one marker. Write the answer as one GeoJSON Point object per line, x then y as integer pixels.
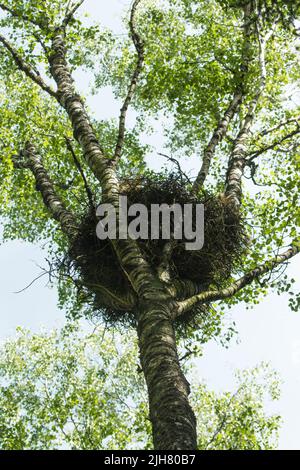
{"type": "Point", "coordinates": [97, 268]}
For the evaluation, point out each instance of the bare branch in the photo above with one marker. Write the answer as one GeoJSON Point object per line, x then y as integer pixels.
{"type": "Point", "coordinates": [26, 68]}
{"type": "Point", "coordinates": [139, 46]}
{"type": "Point", "coordinates": [31, 283]}
{"type": "Point", "coordinates": [235, 287]}
{"type": "Point", "coordinates": [28, 158]}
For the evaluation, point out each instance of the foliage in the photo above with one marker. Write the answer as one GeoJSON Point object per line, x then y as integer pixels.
{"type": "Point", "coordinates": [71, 389]}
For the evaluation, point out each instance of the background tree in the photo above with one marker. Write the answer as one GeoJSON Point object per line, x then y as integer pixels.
{"type": "Point", "coordinates": [224, 72]}
{"type": "Point", "coordinates": [73, 390]}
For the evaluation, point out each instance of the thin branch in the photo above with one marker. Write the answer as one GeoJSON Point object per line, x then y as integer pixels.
{"type": "Point", "coordinates": [176, 162]}
{"type": "Point", "coordinates": [79, 168]}
{"type": "Point", "coordinates": [26, 68]}
{"type": "Point", "coordinates": [121, 302]}
{"type": "Point", "coordinates": [275, 144]}
{"type": "Point", "coordinates": [139, 46]}
{"type": "Point", "coordinates": [224, 419]}
{"type": "Point", "coordinates": [188, 354]}
{"type": "Point", "coordinates": [31, 283]}
{"type": "Point", "coordinates": [235, 287]}
{"type": "Point", "coordinates": [223, 125]}
{"type": "Point", "coordinates": [293, 120]}
{"type": "Point", "coordinates": [42, 43]}
{"type": "Point", "coordinates": [237, 160]}
{"type": "Point", "coordinates": [71, 12]}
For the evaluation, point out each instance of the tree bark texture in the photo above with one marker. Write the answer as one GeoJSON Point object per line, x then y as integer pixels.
{"type": "Point", "coordinates": [173, 420]}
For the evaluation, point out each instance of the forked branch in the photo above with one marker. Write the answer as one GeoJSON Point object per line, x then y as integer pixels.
{"type": "Point", "coordinates": [274, 144]}
{"type": "Point", "coordinates": [19, 15]}
{"type": "Point", "coordinates": [218, 135]}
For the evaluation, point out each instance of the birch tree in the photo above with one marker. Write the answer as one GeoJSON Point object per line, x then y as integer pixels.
{"type": "Point", "coordinates": [225, 73]}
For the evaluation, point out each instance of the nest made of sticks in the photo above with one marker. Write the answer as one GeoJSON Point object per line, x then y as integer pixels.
{"type": "Point", "coordinates": [97, 268]}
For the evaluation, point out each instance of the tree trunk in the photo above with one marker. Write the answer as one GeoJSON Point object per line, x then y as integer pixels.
{"type": "Point", "coordinates": [173, 420]}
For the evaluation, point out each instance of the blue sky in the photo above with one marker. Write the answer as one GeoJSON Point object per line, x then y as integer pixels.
{"type": "Point", "coordinates": [270, 332]}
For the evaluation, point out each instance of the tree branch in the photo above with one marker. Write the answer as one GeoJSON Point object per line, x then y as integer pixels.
{"type": "Point", "coordinates": [115, 300]}
{"type": "Point", "coordinates": [218, 135]}
{"type": "Point", "coordinates": [223, 422]}
{"type": "Point", "coordinates": [163, 269]}
{"type": "Point", "coordinates": [22, 16]}
{"type": "Point", "coordinates": [184, 177]}
{"type": "Point", "coordinates": [294, 120]}
{"type": "Point", "coordinates": [237, 160]}
{"type": "Point", "coordinates": [275, 144]}
{"type": "Point", "coordinates": [222, 128]}
{"type": "Point", "coordinates": [27, 69]}
{"type": "Point", "coordinates": [139, 46]}
{"type": "Point", "coordinates": [29, 159]}
{"type": "Point", "coordinates": [71, 12]}
{"type": "Point", "coordinates": [79, 168]}
{"type": "Point", "coordinates": [181, 289]}
{"type": "Point", "coordinates": [72, 103]}
{"type": "Point", "coordinates": [132, 261]}
{"type": "Point", "coordinates": [235, 287]}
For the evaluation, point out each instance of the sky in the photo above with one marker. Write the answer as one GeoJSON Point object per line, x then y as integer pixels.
{"type": "Point", "coordinates": [270, 332]}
